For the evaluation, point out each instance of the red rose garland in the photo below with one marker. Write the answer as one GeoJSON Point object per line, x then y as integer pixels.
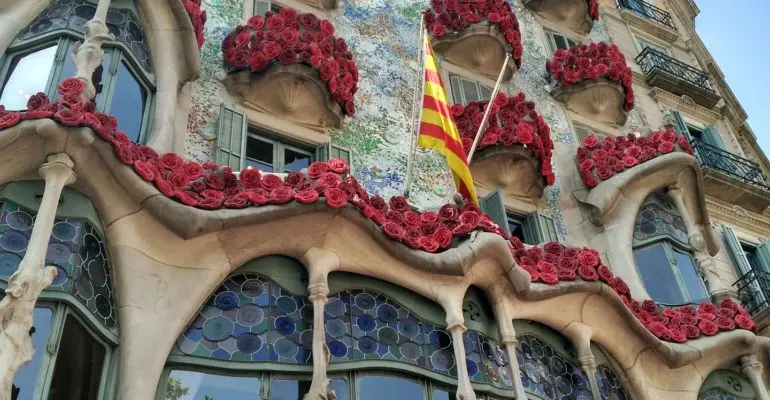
{"type": "Point", "coordinates": [453, 16]}
{"type": "Point", "coordinates": [592, 61]}
{"type": "Point", "coordinates": [604, 158]}
{"type": "Point", "coordinates": [291, 38]}
{"type": "Point", "coordinates": [593, 9]}
{"type": "Point", "coordinates": [512, 121]}
{"type": "Point", "coordinates": [197, 17]}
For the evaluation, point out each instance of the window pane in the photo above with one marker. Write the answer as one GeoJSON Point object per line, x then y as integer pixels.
{"type": "Point", "coordinates": [289, 389]}
{"type": "Point", "coordinates": [692, 280]}
{"type": "Point", "coordinates": [389, 387]}
{"type": "Point", "coordinates": [27, 75]}
{"type": "Point", "coordinates": [188, 385]}
{"type": "Point", "coordinates": [69, 70]}
{"type": "Point", "coordinates": [260, 154]}
{"type": "Point", "coordinates": [78, 366]}
{"type": "Point", "coordinates": [469, 90]}
{"type": "Point", "coordinates": [441, 394]}
{"type": "Point", "coordinates": [486, 93]}
{"type": "Point", "coordinates": [516, 229]}
{"type": "Point", "coordinates": [26, 378]}
{"type": "Point", "coordinates": [457, 96]}
{"type": "Point", "coordinates": [294, 160]}
{"type": "Point", "coordinates": [659, 279]}
{"type": "Point", "coordinates": [127, 105]}
{"type": "Point", "coordinates": [340, 387]}
{"type": "Point", "coordinates": [561, 42]}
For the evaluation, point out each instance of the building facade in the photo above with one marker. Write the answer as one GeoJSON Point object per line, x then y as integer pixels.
{"type": "Point", "coordinates": [205, 200]}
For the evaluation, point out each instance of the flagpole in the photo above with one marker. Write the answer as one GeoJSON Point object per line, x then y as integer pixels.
{"type": "Point", "coordinates": [416, 107]}
{"type": "Point", "coordinates": [484, 120]}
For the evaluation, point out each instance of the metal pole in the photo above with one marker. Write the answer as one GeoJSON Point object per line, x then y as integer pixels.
{"type": "Point", "coordinates": [416, 108]}
{"type": "Point", "coordinates": [489, 108]}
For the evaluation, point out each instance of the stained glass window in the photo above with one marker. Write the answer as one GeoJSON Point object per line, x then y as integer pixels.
{"type": "Point", "coordinates": [486, 361]}
{"type": "Point", "coordinates": [249, 318]}
{"type": "Point", "coordinates": [716, 394]}
{"type": "Point", "coordinates": [548, 374]}
{"type": "Point", "coordinates": [610, 386]}
{"type": "Point", "coordinates": [76, 249]}
{"type": "Point", "coordinates": [659, 218]}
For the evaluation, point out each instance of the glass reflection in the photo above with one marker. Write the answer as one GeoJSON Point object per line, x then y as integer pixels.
{"type": "Point", "coordinates": [374, 387]}
{"type": "Point", "coordinates": [128, 99]}
{"type": "Point", "coordinates": [26, 76]}
{"type": "Point", "coordinates": [189, 385]}
{"type": "Point", "coordinates": [440, 394]}
{"type": "Point", "coordinates": [25, 379]}
{"type": "Point", "coordinates": [78, 368]}
{"type": "Point", "coordinates": [658, 276]}
{"type": "Point", "coordinates": [294, 160]}
{"type": "Point", "coordinates": [692, 279]}
{"type": "Point", "coordinates": [69, 70]}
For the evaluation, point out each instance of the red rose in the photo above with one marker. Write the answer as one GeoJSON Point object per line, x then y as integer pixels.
{"type": "Point", "coordinates": [393, 230]}
{"type": "Point", "coordinates": [256, 196]}
{"type": "Point", "coordinates": [281, 195]}
{"type": "Point", "coordinates": [36, 101]}
{"type": "Point", "coordinates": [338, 165]}
{"type": "Point", "coordinates": [588, 273]}
{"type": "Point", "coordinates": [274, 22]}
{"type": "Point", "coordinates": [708, 328]}
{"type": "Point", "coordinates": [706, 316]}
{"type": "Point", "coordinates": [395, 216]}
{"type": "Point", "coordinates": [399, 203]}
{"type": "Point", "coordinates": [724, 312]}
{"type": "Point", "coordinates": [677, 335]}
{"type": "Point", "coordinates": [526, 133]}
{"type": "Point", "coordinates": [590, 141]}
{"type": "Point", "coordinates": [329, 179]}
{"type": "Point", "coordinates": [9, 119]}
{"type": "Point", "coordinates": [545, 266]}
{"type": "Point", "coordinates": [379, 203]}
{"type": "Point", "coordinates": [71, 86]}
{"type": "Point", "coordinates": [214, 181]}
{"type": "Point", "coordinates": [293, 178]}
{"type": "Point", "coordinates": [620, 286]}
{"type": "Point", "coordinates": [604, 273]}
{"type": "Point", "coordinates": [178, 180]}
{"type": "Point", "coordinates": [211, 203]}
{"type": "Point", "coordinates": [725, 324]}
{"type": "Point", "coordinates": [629, 161]}
{"type": "Point", "coordinates": [306, 196]}
{"type": "Point", "coordinates": [66, 117]}
{"type": "Point", "coordinates": [316, 169]}
{"type": "Point", "coordinates": [447, 212]}
{"type": "Point", "coordinates": [588, 259]}
{"type": "Point", "coordinates": [553, 247]}
{"type": "Point", "coordinates": [412, 219]}
{"type": "Point", "coordinates": [690, 330]}
{"type": "Point", "coordinates": [270, 182]}
{"type": "Point", "coordinates": [463, 230]}
{"type": "Point", "coordinates": [250, 178]}
{"type": "Point", "coordinates": [236, 201]}
{"type": "Point", "coordinates": [213, 194]}
{"type": "Point", "coordinates": [666, 147]}
{"type": "Point", "coordinates": [470, 218]}
{"type": "Point", "coordinates": [570, 263]}
{"type": "Point", "coordinates": [659, 329]}
{"type": "Point", "coordinates": [144, 170]}
{"type": "Point", "coordinates": [650, 306]}
{"type": "Point", "coordinates": [256, 22]}
{"type": "Point", "coordinates": [688, 310]}
{"type": "Point", "coordinates": [443, 236]}
{"type": "Point", "coordinates": [428, 244]}
{"type": "Point", "coordinates": [326, 27]}
{"type": "Point", "coordinates": [586, 165]}
{"type": "Point", "coordinates": [308, 20]}
{"type": "Point", "coordinates": [549, 278]}
{"type": "Point", "coordinates": [707, 308]}
{"type": "Point", "coordinates": [171, 161]}
{"type": "Point", "coordinates": [192, 170]}
{"type": "Point", "coordinates": [185, 198]}
{"type": "Point", "coordinates": [163, 186]}
{"type": "Point", "coordinates": [335, 198]}
{"type": "Point", "coordinates": [744, 322]}
{"type": "Point", "coordinates": [566, 274]}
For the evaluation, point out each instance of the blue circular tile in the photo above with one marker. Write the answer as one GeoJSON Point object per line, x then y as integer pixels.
{"type": "Point", "coordinates": [472, 368]}
{"type": "Point", "coordinates": [335, 328]}
{"type": "Point", "coordinates": [59, 279]}
{"type": "Point", "coordinates": [65, 231]}
{"type": "Point", "coordinates": [286, 304]}
{"type": "Point", "coordinates": [338, 349]}
{"type": "Point", "coordinates": [58, 252]}
{"type": "Point", "coordinates": [335, 307]}
{"type": "Point", "coordinates": [366, 323]}
{"type": "Point", "coordinates": [19, 220]}
{"type": "Point", "coordinates": [387, 313]}
{"type": "Point", "coordinates": [250, 315]}
{"type": "Point", "coordinates": [367, 345]}
{"type": "Point", "coordinates": [442, 360]}
{"type": "Point", "coordinates": [103, 306]}
{"type": "Point", "coordinates": [365, 301]}
{"type": "Point", "coordinates": [248, 343]}
{"type": "Point", "coordinates": [387, 335]}
{"type": "Point", "coordinates": [408, 328]}
{"type": "Point", "coordinates": [13, 241]}
{"type": "Point", "coordinates": [285, 325]}
{"type": "Point", "coordinates": [9, 263]}
{"type": "Point", "coordinates": [217, 329]}
{"type": "Point", "coordinates": [469, 345]}
{"type": "Point", "coordinates": [285, 348]}
{"type": "Point", "coordinates": [440, 339]}
{"type": "Point", "coordinates": [411, 350]}
{"type": "Point", "coordinates": [252, 288]}
{"type": "Point", "coordinates": [226, 300]}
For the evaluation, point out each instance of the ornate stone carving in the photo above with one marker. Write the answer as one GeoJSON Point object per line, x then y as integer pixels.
{"type": "Point", "coordinates": [511, 168]}
{"type": "Point", "coordinates": [480, 48]}
{"type": "Point", "coordinates": [571, 14]}
{"type": "Point", "coordinates": [291, 92]}
{"type": "Point", "coordinates": [599, 99]}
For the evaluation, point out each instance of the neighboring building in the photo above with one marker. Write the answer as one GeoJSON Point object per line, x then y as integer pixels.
{"type": "Point", "coordinates": [172, 277]}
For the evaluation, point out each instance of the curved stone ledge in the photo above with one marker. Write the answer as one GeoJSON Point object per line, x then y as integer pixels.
{"type": "Point", "coordinates": [571, 14]}
{"type": "Point", "coordinates": [599, 99]}
{"type": "Point", "coordinates": [292, 92]}
{"type": "Point", "coordinates": [480, 48]}
{"type": "Point", "coordinates": [637, 183]}
{"type": "Point", "coordinates": [322, 4]}
{"type": "Point", "coordinates": [514, 169]}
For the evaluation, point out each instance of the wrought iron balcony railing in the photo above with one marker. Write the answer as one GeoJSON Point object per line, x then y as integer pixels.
{"type": "Point", "coordinates": [651, 60]}
{"type": "Point", "coordinates": [754, 290]}
{"type": "Point", "coordinates": [729, 164]}
{"type": "Point", "coordinates": [648, 10]}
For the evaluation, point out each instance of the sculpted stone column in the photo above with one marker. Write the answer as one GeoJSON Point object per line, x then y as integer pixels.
{"type": "Point", "coordinates": [89, 53]}
{"type": "Point", "coordinates": [706, 263]}
{"type": "Point", "coordinates": [456, 328]}
{"type": "Point", "coordinates": [580, 336]}
{"type": "Point", "coordinates": [508, 338]}
{"type": "Point", "coordinates": [32, 277]}
{"type": "Point", "coordinates": [752, 369]}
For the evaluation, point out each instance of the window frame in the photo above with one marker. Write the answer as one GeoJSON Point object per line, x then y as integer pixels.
{"type": "Point", "coordinates": [279, 148]}
{"type": "Point", "coordinates": [460, 98]}
{"type": "Point", "coordinates": [65, 39]}
{"type": "Point", "coordinates": [641, 41]}
{"type": "Point", "coordinates": [669, 247]}
{"type": "Point", "coordinates": [551, 36]}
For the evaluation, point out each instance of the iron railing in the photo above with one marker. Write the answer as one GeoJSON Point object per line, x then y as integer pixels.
{"type": "Point", "coordinates": [729, 164]}
{"type": "Point", "coordinates": [754, 290]}
{"type": "Point", "coordinates": [651, 60]}
{"type": "Point", "coordinates": [647, 10]}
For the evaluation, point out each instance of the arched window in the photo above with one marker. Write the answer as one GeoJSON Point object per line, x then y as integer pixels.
{"type": "Point", "coordinates": [43, 55]}
{"type": "Point", "coordinates": [75, 320]}
{"type": "Point", "coordinates": [726, 385]}
{"type": "Point", "coordinates": [662, 254]}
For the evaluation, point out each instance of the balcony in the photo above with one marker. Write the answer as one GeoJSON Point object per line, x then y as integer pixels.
{"type": "Point", "coordinates": [677, 77]}
{"type": "Point", "coordinates": [732, 178]}
{"type": "Point", "coordinates": [647, 10]}
{"type": "Point", "coordinates": [754, 292]}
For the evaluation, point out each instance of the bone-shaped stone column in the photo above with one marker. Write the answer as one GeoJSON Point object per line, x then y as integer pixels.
{"type": "Point", "coordinates": [580, 336]}
{"type": "Point", "coordinates": [319, 263]}
{"type": "Point", "coordinates": [752, 369]}
{"type": "Point", "coordinates": [89, 53]}
{"type": "Point", "coordinates": [32, 277]}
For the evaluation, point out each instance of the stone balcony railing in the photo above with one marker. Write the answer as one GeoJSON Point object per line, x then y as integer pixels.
{"type": "Point", "coordinates": [647, 10]}
{"type": "Point", "coordinates": [674, 76]}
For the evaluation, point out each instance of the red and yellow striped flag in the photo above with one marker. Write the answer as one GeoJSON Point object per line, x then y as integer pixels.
{"type": "Point", "coordinates": [437, 127]}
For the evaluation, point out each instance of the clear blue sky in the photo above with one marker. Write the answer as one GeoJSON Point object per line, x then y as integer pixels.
{"type": "Point", "coordinates": [737, 33]}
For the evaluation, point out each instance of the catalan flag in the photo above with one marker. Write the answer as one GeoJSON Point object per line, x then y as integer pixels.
{"type": "Point", "coordinates": [438, 130]}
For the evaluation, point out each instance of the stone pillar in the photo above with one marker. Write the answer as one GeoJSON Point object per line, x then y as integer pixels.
{"type": "Point", "coordinates": [580, 336]}
{"type": "Point", "coordinates": [319, 389]}
{"type": "Point", "coordinates": [456, 328]}
{"type": "Point", "coordinates": [752, 369]}
{"type": "Point", "coordinates": [705, 262]}
{"type": "Point", "coordinates": [89, 53]}
{"type": "Point", "coordinates": [508, 338]}
{"type": "Point", "coordinates": [32, 277]}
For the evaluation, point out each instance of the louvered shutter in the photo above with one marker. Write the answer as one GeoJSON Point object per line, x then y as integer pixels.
{"type": "Point", "coordinates": [711, 136]}
{"type": "Point", "coordinates": [763, 256]}
{"type": "Point", "coordinates": [539, 228]}
{"type": "Point", "coordinates": [343, 153]}
{"type": "Point", "coordinates": [494, 206]}
{"type": "Point", "coordinates": [231, 138]}
{"type": "Point", "coordinates": [681, 128]}
{"type": "Point", "coordinates": [742, 263]}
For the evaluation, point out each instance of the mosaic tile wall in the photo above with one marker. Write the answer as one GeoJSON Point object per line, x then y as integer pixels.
{"type": "Point", "coordinates": [383, 36]}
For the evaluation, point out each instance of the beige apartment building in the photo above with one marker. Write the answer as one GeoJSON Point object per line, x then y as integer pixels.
{"type": "Point", "coordinates": [212, 199]}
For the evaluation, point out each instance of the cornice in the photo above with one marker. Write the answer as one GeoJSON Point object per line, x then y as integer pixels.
{"type": "Point", "coordinates": [737, 216]}
{"type": "Point", "coordinates": [686, 104]}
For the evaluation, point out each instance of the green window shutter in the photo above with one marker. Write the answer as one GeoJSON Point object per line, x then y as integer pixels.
{"type": "Point", "coordinates": [343, 153]}
{"type": "Point", "coordinates": [322, 151]}
{"type": "Point", "coordinates": [679, 125]}
{"type": "Point", "coordinates": [736, 250]}
{"type": "Point", "coordinates": [261, 6]}
{"type": "Point", "coordinates": [743, 267]}
{"type": "Point", "coordinates": [763, 256]}
{"type": "Point", "coordinates": [539, 228]}
{"type": "Point", "coordinates": [711, 136]}
{"type": "Point", "coordinates": [494, 206]}
{"type": "Point", "coordinates": [231, 138]}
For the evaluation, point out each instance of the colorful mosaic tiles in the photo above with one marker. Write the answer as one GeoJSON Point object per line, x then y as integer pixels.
{"type": "Point", "coordinates": [610, 386]}
{"type": "Point", "coordinates": [77, 251]}
{"type": "Point", "coordinates": [547, 374]}
{"type": "Point", "coordinates": [249, 318]}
